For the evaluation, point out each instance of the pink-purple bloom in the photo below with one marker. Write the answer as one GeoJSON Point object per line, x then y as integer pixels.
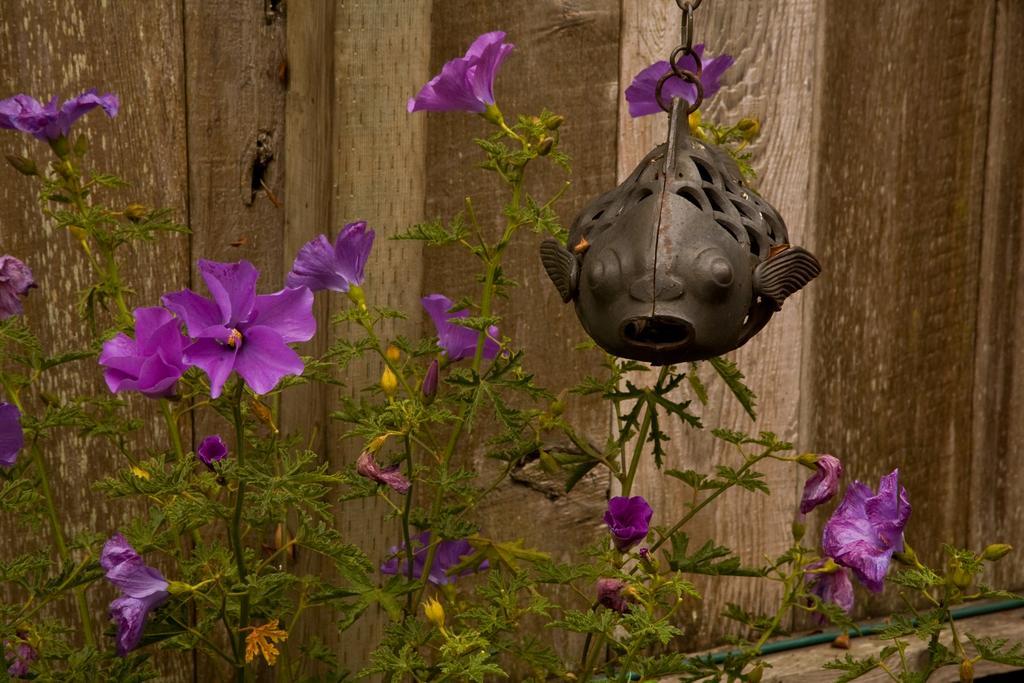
{"type": "Point", "coordinates": [20, 655]}
{"type": "Point", "coordinates": [641, 92]}
{"type": "Point", "coordinates": [238, 331]}
{"type": "Point", "coordinates": [15, 281]}
{"type": "Point", "coordinates": [429, 387]}
{"type": "Point", "coordinates": [151, 363]}
{"type": "Point", "coordinates": [610, 594]}
{"type": "Point", "coordinates": [823, 484]}
{"type": "Point", "coordinates": [457, 341]}
{"type": "Point", "coordinates": [833, 586]}
{"type": "Point", "coordinates": [628, 520]}
{"type": "Point", "coordinates": [212, 449]}
{"type": "Point", "coordinates": [142, 587]}
{"type": "Point", "coordinates": [448, 555]}
{"type": "Point", "coordinates": [12, 439]}
{"type": "Point", "coordinates": [50, 121]}
{"type": "Point", "coordinates": [368, 467]}
{"type": "Point", "coordinates": [866, 529]}
{"type": "Point", "coordinates": [467, 83]}
{"type": "Point", "coordinates": [321, 266]}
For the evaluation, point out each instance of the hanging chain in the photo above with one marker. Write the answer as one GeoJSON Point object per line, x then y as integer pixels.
{"type": "Point", "coordinates": [682, 51]}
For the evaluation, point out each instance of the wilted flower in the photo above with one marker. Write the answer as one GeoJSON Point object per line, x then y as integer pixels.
{"type": "Point", "coordinates": [262, 641]}
{"type": "Point", "coordinates": [628, 520]}
{"type": "Point", "coordinates": [467, 83]}
{"type": "Point", "coordinates": [866, 529]}
{"type": "Point", "coordinates": [367, 467]}
{"type": "Point", "coordinates": [321, 266]}
{"type": "Point", "coordinates": [12, 439]}
{"type": "Point", "coordinates": [455, 340]}
{"type": "Point", "coordinates": [20, 654]}
{"type": "Point", "coordinates": [152, 362]}
{"type": "Point", "coordinates": [610, 594]}
{"type": "Point", "coordinates": [429, 388]}
{"type": "Point", "coordinates": [448, 555]}
{"type": "Point", "coordinates": [49, 122]}
{"type": "Point", "coordinates": [823, 484]}
{"type": "Point", "coordinates": [143, 587]}
{"type": "Point", "coordinates": [15, 281]}
{"type": "Point", "coordinates": [641, 92]}
{"type": "Point", "coordinates": [212, 449]}
{"type": "Point", "coordinates": [832, 585]}
{"type": "Point", "coordinates": [240, 331]}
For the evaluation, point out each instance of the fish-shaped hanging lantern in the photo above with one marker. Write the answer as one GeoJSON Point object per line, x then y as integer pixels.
{"type": "Point", "coordinates": [682, 261]}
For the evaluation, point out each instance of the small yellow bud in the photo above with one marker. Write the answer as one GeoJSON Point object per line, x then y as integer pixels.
{"type": "Point", "coordinates": [434, 612]}
{"type": "Point", "coordinates": [393, 353]}
{"type": "Point", "coordinates": [548, 462]}
{"type": "Point", "coordinates": [694, 120]}
{"type": "Point", "coordinates": [77, 232]}
{"type": "Point", "coordinates": [755, 674]}
{"type": "Point", "coordinates": [996, 551]}
{"type": "Point", "coordinates": [140, 473]}
{"type": "Point", "coordinates": [799, 527]}
{"type": "Point", "coordinates": [554, 122]}
{"type": "Point", "coordinates": [749, 127]}
{"type": "Point", "coordinates": [966, 671]}
{"type": "Point", "coordinates": [376, 443]}
{"type": "Point", "coordinates": [960, 578]}
{"type": "Point", "coordinates": [135, 212]}
{"type": "Point", "coordinates": [388, 382]}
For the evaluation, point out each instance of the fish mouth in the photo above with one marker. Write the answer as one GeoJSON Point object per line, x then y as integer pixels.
{"type": "Point", "coordinates": [659, 333]}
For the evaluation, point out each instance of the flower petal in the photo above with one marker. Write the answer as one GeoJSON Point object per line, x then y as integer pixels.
{"type": "Point", "coordinates": [215, 359]}
{"type": "Point", "coordinates": [314, 267]}
{"type": "Point", "coordinates": [265, 359]}
{"type": "Point", "coordinates": [197, 312]}
{"type": "Point", "coordinates": [12, 439]}
{"type": "Point", "coordinates": [289, 312]}
{"type": "Point", "coordinates": [233, 286]}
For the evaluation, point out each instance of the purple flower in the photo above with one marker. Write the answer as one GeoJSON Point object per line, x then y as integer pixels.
{"type": "Point", "coordinates": [866, 529]}
{"type": "Point", "coordinates": [367, 467]}
{"type": "Point", "coordinates": [467, 83]}
{"type": "Point", "coordinates": [823, 484]}
{"type": "Point", "coordinates": [610, 594]}
{"type": "Point", "coordinates": [20, 655]}
{"type": "Point", "coordinates": [15, 281]}
{"type": "Point", "coordinates": [628, 520]}
{"type": "Point", "coordinates": [212, 449]}
{"type": "Point", "coordinates": [239, 331]}
{"type": "Point", "coordinates": [320, 266]}
{"type": "Point", "coordinates": [49, 122]}
{"type": "Point", "coordinates": [143, 588]}
{"type": "Point", "coordinates": [831, 586]}
{"type": "Point", "coordinates": [448, 555]}
{"type": "Point", "coordinates": [152, 362]}
{"type": "Point", "coordinates": [640, 93]}
{"type": "Point", "coordinates": [457, 341]}
{"type": "Point", "coordinates": [12, 439]}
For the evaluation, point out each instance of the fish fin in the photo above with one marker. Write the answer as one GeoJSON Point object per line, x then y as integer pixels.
{"type": "Point", "coordinates": [784, 273]}
{"type": "Point", "coordinates": [562, 267]}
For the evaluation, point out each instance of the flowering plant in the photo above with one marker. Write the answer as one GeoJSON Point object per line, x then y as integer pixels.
{"type": "Point", "coordinates": [210, 564]}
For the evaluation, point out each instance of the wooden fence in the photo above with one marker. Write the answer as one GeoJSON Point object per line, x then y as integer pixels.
{"type": "Point", "coordinates": [892, 144]}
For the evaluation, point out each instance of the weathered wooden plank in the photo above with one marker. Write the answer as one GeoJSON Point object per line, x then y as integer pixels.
{"type": "Point", "coordinates": [996, 511]}
{"type": "Point", "coordinates": [381, 52]}
{"type": "Point", "coordinates": [56, 48]}
{"type": "Point", "coordinates": [889, 356]}
{"type": "Point", "coordinates": [565, 59]}
{"type": "Point", "coordinates": [774, 48]}
{"type": "Point", "coordinates": [805, 664]}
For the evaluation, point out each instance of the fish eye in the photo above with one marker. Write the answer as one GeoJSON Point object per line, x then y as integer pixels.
{"type": "Point", "coordinates": [605, 270]}
{"type": "Point", "coordinates": [714, 271]}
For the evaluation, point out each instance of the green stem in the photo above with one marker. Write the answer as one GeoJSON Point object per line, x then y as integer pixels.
{"type": "Point", "coordinates": [172, 428]}
{"type": "Point", "coordinates": [58, 538]}
{"type": "Point", "coordinates": [236, 529]}
{"type": "Point", "coordinates": [406, 536]}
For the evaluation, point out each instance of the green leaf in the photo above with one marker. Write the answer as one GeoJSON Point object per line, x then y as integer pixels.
{"type": "Point", "coordinates": [733, 379]}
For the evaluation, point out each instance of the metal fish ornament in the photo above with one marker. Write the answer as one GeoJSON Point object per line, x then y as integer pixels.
{"type": "Point", "coordinates": [681, 262]}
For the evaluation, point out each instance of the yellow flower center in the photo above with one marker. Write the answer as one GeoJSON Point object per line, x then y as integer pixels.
{"type": "Point", "coordinates": [234, 338]}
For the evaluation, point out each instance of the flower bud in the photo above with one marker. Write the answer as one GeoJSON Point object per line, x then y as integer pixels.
{"type": "Point", "coordinates": [434, 611]}
{"type": "Point", "coordinates": [393, 353]}
{"type": "Point", "coordinates": [263, 414]}
{"type": "Point", "coordinates": [554, 122]}
{"type": "Point", "coordinates": [996, 552]}
{"type": "Point", "coordinates": [544, 146]}
{"type": "Point", "coordinates": [60, 146]}
{"type": "Point", "coordinates": [135, 212]}
{"type": "Point", "coordinates": [429, 386]}
{"type": "Point", "coordinates": [907, 556]}
{"type": "Point", "coordinates": [966, 671]}
{"type": "Point", "coordinates": [388, 382]}
{"type": "Point", "coordinates": [557, 406]}
{"type": "Point", "coordinates": [22, 165]}
{"type": "Point", "coordinates": [960, 578]}
{"type": "Point", "coordinates": [799, 527]}
{"type": "Point", "coordinates": [548, 462]}
{"type": "Point", "coordinates": [140, 473]}
{"type": "Point", "coordinates": [648, 560]}
{"type": "Point", "coordinates": [755, 674]}
{"type": "Point", "coordinates": [694, 120]}
{"type": "Point", "coordinates": [77, 232]}
{"type": "Point", "coordinates": [749, 127]}
{"type": "Point", "coordinates": [356, 296]}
